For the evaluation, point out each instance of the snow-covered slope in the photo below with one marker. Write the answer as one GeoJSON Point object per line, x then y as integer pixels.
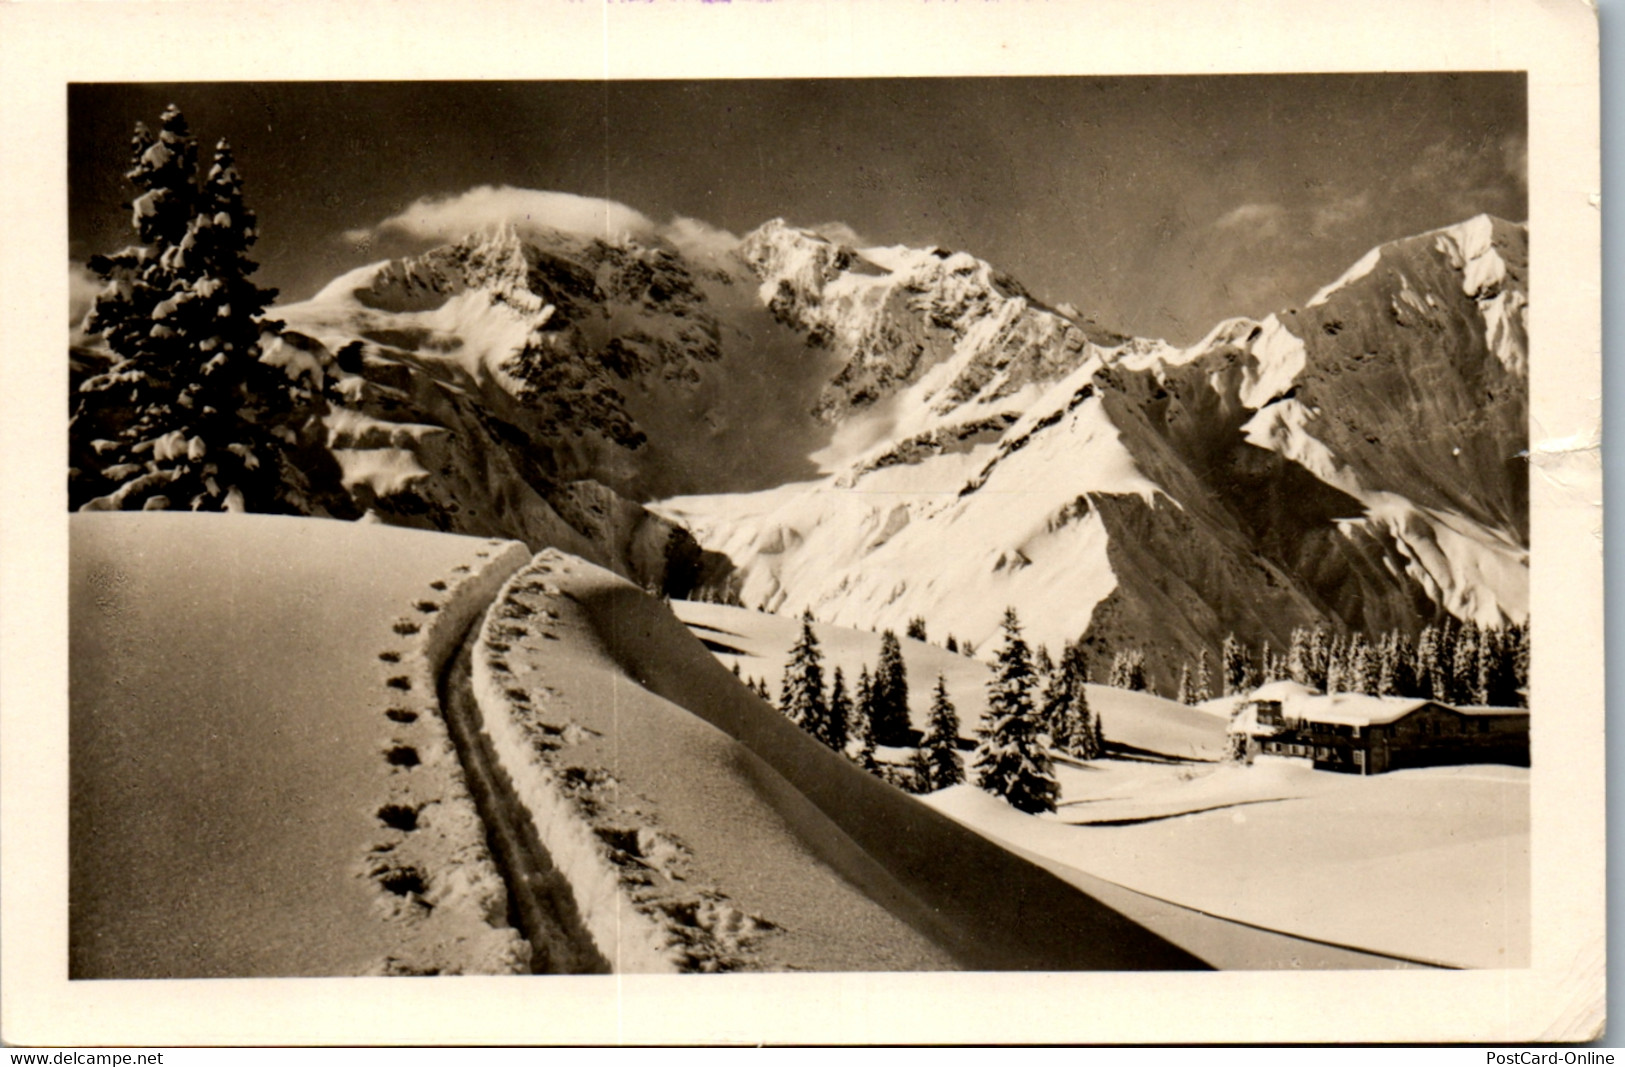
{"type": "Point", "coordinates": [1357, 463]}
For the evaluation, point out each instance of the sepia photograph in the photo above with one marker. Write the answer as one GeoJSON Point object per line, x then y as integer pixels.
{"type": "Point", "coordinates": [1046, 525]}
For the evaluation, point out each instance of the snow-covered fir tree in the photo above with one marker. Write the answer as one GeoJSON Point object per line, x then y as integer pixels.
{"type": "Point", "coordinates": [1235, 671]}
{"type": "Point", "coordinates": [838, 720]}
{"type": "Point", "coordinates": [916, 628]}
{"type": "Point", "coordinates": [862, 728]}
{"type": "Point", "coordinates": [941, 744]}
{"type": "Point", "coordinates": [1464, 665]}
{"type": "Point", "coordinates": [1043, 665]}
{"type": "Point", "coordinates": [1009, 761]}
{"type": "Point", "coordinates": [1073, 727]}
{"type": "Point", "coordinates": [1336, 665]}
{"type": "Point", "coordinates": [187, 415]}
{"type": "Point", "coordinates": [1316, 658]}
{"type": "Point", "coordinates": [1430, 674]}
{"type": "Point", "coordinates": [801, 694]}
{"type": "Point", "coordinates": [1128, 670]}
{"type": "Point", "coordinates": [1271, 667]}
{"type": "Point", "coordinates": [889, 699]}
{"type": "Point", "coordinates": [917, 776]}
{"type": "Point", "coordinates": [1201, 686]}
{"type": "Point", "coordinates": [1361, 672]}
{"type": "Point", "coordinates": [1297, 656]}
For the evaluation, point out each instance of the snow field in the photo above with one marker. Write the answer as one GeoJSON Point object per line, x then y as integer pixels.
{"type": "Point", "coordinates": [261, 785]}
{"type": "Point", "coordinates": [1429, 865]}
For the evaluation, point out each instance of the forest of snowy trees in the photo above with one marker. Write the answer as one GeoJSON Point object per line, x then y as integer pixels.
{"type": "Point", "coordinates": [1037, 709]}
{"type": "Point", "coordinates": [1460, 663]}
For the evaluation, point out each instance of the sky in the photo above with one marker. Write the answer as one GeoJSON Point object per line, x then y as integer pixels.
{"type": "Point", "coordinates": [1157, 205]}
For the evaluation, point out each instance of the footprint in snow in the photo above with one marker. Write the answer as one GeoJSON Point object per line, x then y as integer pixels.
{"type": "Point", "coordinates": [402, 756]}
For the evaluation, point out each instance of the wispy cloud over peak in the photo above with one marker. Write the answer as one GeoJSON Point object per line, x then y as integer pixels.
{"type": "Point", "coordinates": [1265, 218]}
{"type": "Point", "coordinates": [449, 218]}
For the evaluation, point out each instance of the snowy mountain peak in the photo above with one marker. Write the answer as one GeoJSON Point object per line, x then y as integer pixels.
{"type": "Point", "coordinates": [946, 327]}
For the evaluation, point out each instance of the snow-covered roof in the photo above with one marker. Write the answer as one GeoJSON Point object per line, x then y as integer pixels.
{"type": "Point", "coordinates": [1353, 709]}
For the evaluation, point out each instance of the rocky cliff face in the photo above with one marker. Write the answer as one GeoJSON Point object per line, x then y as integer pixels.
{"type": "Point", "coordinates": [491, 387]}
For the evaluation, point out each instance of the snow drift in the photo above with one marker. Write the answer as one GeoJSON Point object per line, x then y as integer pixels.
{"type": "Point", "coordinates": [676, 798]}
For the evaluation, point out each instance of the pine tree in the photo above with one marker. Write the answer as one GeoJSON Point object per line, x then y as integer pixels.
{"type": "Point", "coordinates": [1387, 665]}
{"type": "Point", "coordinates": [1270, 669]}
{"type": "Point", "coordinates": [917, 776]}
{"type": "Point", "coordinates": [863, 719]}
{"type": "Point", "coordinates": [1128, 670]}
{"type": "Point", "coordinates": [889, 711]}
{"type": "Point", "coordinates": [837, 723]}
{"type": "Point", "coordinates": [1430, 675]}
{"type": "Point", "coordinates": [1298, 660]}
{"type": "Point", "coordinates": [1316, 659]}
{"type": "Point", "coordinates": [916, 628]}
{"type": "Point", "coordinates": [1486, 664]}
{"type": "Point", "coordinates": [1072, 726]}
{"type": "Point", "coordinates": [1337, 665]}
{"type": "Point", "coordinates": [801, 696]}
{"type": "Point", "coordinates": [1237, 670]}
{"type": "Point", "coordinates": [1043, 665]}
{"type": "Point", "coordinates": [1405, 683]}
{"type": "Point", "coordinates": [1361, 674]}
{"type": "Point", "coordinates": [1009, 761]}
{"type": "Point", "coordinates": [1201, 687]}
{"type": "Point", "coordinates": [941, 745]}
{"type": "Point", "coordinates": [1464, 664]}
{"type": "Point", "coordinates": [187, 415]}
{"type": "Point", "coordinates": [1519, 651]}
{"type": "Point", "coordinates": [952, 645]}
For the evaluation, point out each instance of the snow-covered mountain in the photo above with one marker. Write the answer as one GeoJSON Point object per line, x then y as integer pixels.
{"type": "Point", "coordinates": [1358, 462]}
{"type": "Point", "coordinates": [884, 433]}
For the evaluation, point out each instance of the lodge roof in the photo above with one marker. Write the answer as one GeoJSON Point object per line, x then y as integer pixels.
{"type": "Point", "coordinates": [1355, 709]}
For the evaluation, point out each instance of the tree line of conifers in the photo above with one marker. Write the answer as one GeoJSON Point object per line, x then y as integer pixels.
{"type": "Point", "coordinates": [1454, 662]}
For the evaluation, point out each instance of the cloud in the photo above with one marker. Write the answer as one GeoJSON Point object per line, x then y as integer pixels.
{"type": "Point", "coordinates": [698, 239]}
{"type": "Point", "coordinates": [1467, 178]}
{"type": "Point", "coordinates": [840, 233]}
{"type": "Point", "coordinates": [1339, 213]}
{"type": "Point", "coordinates": [1264, 219]}
{"type": "Point", "coordinates": [450, 218]}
